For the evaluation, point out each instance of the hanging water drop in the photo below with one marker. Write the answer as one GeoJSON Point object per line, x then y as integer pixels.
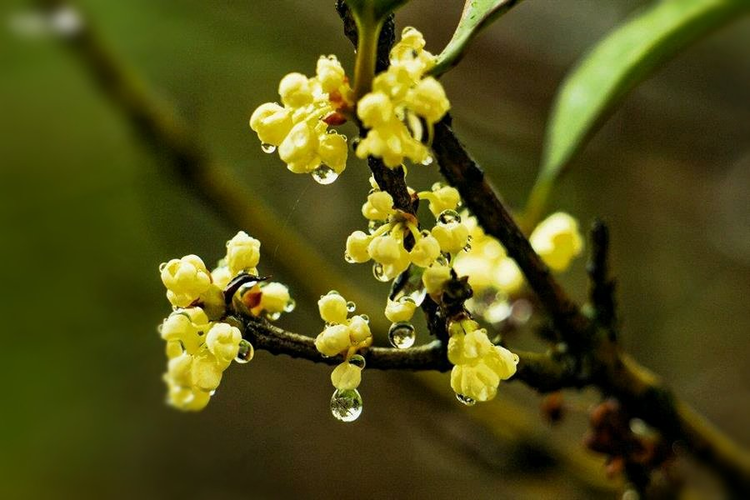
{"type": "Point", "coordinates": [349, 258]}
{"type": "Point", "coordinates": [272, 316]}
{"type": "Point", "coordinates": [448, 216]}
{"type": "Point", "coordinates": [428, 161]}
{"type": "Point", "coordinates": [357, 360]}
{"type": "Point", "coordinates": [465, 400]}
{"type": "Point", "coordinates": [324, 174]}
{"type": "Point", "coordinates": [379, 272]}
{"type": "Point", "coordinates": [365, 318]}
{"type": "Point", "coordinates": [289, 307]}
{"type": "Point", "coordinates": [402, 335]}
{"type": "Point", "coordinates": [245, 353]}
{"type": "Point", "coordinates": [346, 406]}
{"type": "Point", "coordinates": [351, 306]}
{"type": "Point", "coordinates": [268, 148]}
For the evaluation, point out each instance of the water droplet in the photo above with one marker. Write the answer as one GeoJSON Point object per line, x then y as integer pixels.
{"type": "Point", "coordinates": [428, 161]}
{"type": "Point", "coordinates": [332, 292]}
{"type": "Point", "coordinates": [211, 393]}
{"type": "Point", "coordinates": [467, 248]}
{"type": "Point", "coordinates": [351, 306]}
{"type": "Point", "coordinates": [357, 360]}
{"type": "Point", "coordinates": [466, 400]}
{"type": "Point", "coordinates": [162, 266]}
{"type": "Point", "coordinates": [245, 353]}
{"type": "Point", "coordinates": [268, 148]}
{"type": "Point", "coordinates": [355, 143]}
{"type": "Point", "coordinates": [365, 318]}
{"type": "Point", "coordinates": [437, 186]}
{"type": "Point", "coordinates": [324, 174]}
{"type": "Point", "coordinates": [402, 335]}
{"type": "Point", "coordinates": [521, 311]}
{"type": "Point", "coordinates": [379, 272]}
{"type": "Point", "coordinates": [349, 258]}
{"type": "Point", "coordinates": [448, 216]}
{"type": "Point", "coordinates": [346, 406]}
{"type": "Point", "coordinates": [289, 307]}
{"type": "Point", "coordinates": [272, 316]}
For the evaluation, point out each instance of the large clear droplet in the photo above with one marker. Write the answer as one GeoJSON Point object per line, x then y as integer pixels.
{"type": "Point", "coordinates": [357, 360]}
{"type": "Point", "coordinates": [351, 306]}
{"type": "Point", "coordinates": [465, 400]}
{"type": "Point", "coordinates": [324, 174]}
{"type": "Point", "coordinates": [379, 272]}
{"type": "Point", "coordinates": [448, 216]}
{"type": "Point", "coordinates": [402, 335]}
{"type": "Point", "coordinates": [268, 148]}
{"type": "Point", "coordinates": [245, 353]}
{"type": "Point", "coordinates": [346, 406]}
{"type": "Point", "coordinates": [289, 307]}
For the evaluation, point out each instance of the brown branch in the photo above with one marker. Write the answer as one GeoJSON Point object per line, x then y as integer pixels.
{"type": "Point", "coordinates": [602, 294]}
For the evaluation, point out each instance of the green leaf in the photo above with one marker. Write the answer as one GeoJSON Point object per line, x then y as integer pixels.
{"type": "Point", "coordinates": [619, 63]}
{"type": "Point", "coordinates": [477, 15]}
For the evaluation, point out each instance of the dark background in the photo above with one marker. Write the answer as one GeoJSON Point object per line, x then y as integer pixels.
{"type": "Point", "coordinates": [88, 212]}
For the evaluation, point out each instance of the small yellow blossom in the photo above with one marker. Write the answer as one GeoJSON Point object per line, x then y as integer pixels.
{"type": "Point", "coordinates": [435, 277]}
{"type": "Point", "coordinates": [379, 206]}
{"type": "Point", "coordinates": [223, 341]}
{"type": "Point", "coordinates": [557, 240]}
{"type": "Point", "coordinates": [479, 366]}
{"type": "Point", "coordinates": [333, 340]}
{"type": "Point", "coordinates": [221, 276]}
{"type": "Point", "coordinates": [274, 298]}
{"type": "Point", "coordinates": [243, 253]}
{"type": "Point", "coordinates": [398, 311]}
{"type": "Point", "coordinates": [333, 308]}
{"type": "Point", "coordinates": [452, 236]}
{"type": "Point", "coordinates": [441, 198]}
{"type": "Point", "coordinates": [272, 123]}
{"type": "Point", "coordinates": [356, 247]}
{"type": "Point", "coordinates": [359, 329]}
{"type": "Point", "coordinates": [185, 279]}
{"type": "Point", "coordinates": [346, 376]}
{"type": "Point", "coordinates": [425, 251]}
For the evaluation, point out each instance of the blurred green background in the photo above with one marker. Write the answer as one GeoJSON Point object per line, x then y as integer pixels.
{"type": "Point", "coordinates": [88, 212]}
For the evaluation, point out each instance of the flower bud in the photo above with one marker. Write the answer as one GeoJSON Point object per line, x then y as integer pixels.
{"type": "Point", "coordinates": [243, 253]}
{"type": "Point", "coordinates": [356, 247]}
{"type": "Point", "coordinates": [332, 308]}
{"type": "Point", "coordinates": [375, 109]}
{"type": "Point", "coordinates": [329, 73]}
{"type": "Point", "coordinates": [425, 251]}
{"type": "Point", "coordinates": [295, 90]}
{"type": "Point", "coordinates": [346, 376]}
{"type": "Point", "coordinates": [386, 249]}
{"type": "Point", "coordinates": [333, 340]}
{"type": "Point", "coordinates": [333, 151]}
{"type": "Point", "coordinates": [398, 311]}
{"type": "Point", "coordinates": [206, 372]}
{"type": "Point", "coordinates": [452, 236]}
{"type": "Point", "coordinates": [444, 198]}
{"type": "Point", "coordinates": [379, 206]}
{"type": "Point", "coordinates": [185, 279]}
{"type": "Point", "coordinates": [223, 341]}
{"type": "Point", "coordinates": [271, 122]}
{"type": "Point", "coordinates": [435, 277]}
{"type": "Point", "coordinates": [274, 297]}
{"type": "Point", "coordinates": [557, 240]}
{"type": "Point", "coordinates": [359, 329]}
{"type": "Point", "coordinates": [299, 150]}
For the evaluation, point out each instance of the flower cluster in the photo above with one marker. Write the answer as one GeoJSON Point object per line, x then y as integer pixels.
{"type": "Point", "coordinates": [399, 113]}
{"type": "Point", "coordinates": [202, 340]}
{"type": "Point", "coordinates": [299, 126]}
{"type": "Point", "coordinates": [495, 277]}
{"type": "Point", "coordinates": [479, 366]}
{"type": "Point", "coordinates": [344, 335]}
{"type": "Point", "coordinates": [389, 229]}
{"type": "Point", "coordinates": [402, 103]}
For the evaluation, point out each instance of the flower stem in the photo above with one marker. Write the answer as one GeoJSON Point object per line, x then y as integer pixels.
{"type": "Point", "coordinates": [367, 50]}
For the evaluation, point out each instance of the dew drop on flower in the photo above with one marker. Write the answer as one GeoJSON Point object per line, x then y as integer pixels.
{"type": "Point", "coordinates": [365, 318]}
{"type": "Point", "coordinates": [448, 216]}
{"type": "Point", "coordinates": [324, 174]}
{"type": "Point", "coordinates": [268, 148]}
{"type": "Point", "coordinates": [272, 316]}
{"type": "Point", "coordinates": [349, 258]}
{"type": "Point", "coordinates": [428, 161]}
{"type": "Point", "coordinates": [402, 335]}
{"type": "Point", "coordinates": [351, 306]}
{"type": "Point", "coordinates": [355, 143]}
{"type": "Point", "coordinates": [289, 307]}
{"type": "Point", "coordinates": [332, 292]}
{"type": "Point", "coordinates": [465, 400]}
{"type": "Point", "coordinates": [357, 360]}
{"type": "Point", "coordinates": [346, 406]}
{"type": "Point", "coordinates": [245, 353]}
{"type": "Point", "coordinates": [379, 272]}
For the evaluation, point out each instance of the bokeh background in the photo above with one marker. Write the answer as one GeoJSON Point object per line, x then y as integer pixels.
{"type": "Point", "coordinates": [88, 212]}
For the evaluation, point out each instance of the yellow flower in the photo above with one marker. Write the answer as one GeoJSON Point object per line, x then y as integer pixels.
{"type": "Point", "coordinates": [333, 151]}
{"type": "Point", "coordinates": [425, 251]}
{"type": "Point", "coordinates": [435, 277]}
{"type": "Point", "coordinates": [221, 276]}
{"type": "Point", "coordinates": [428, 100]}
{"type": "Point", "coordinates": [271, 122]}
{"type": "Point", "coordinates": [274, 297]}
{"type": "Point", "coordinates": [185, 279]}
{"type": "Point", "coordinates": [452, 236]}
{"type": "Point", "coordinates": [398, 311]}
{"type": "Point", "coordinates": [300, 149]}
{"type": "Point", "coordinates": [441, 199]}
{"type": "Point", "coordinates": [185, 326]}
{"type": "Point", "coordinates": [333, 340]}
{"type": "Point", "coordinates": [379, 206]}
{"type": "Point", "coordinates": [356, 247]}
{"type": "Point", "coordinates": [387, 249]}
{"type": "Point", "coordinates": [375, 109]}
{"type": "Point", "coordinates": [243, 253]}
{"type": "Point", "coordinates": [346, 376]}
{"type": "Point", "coordinates": [332, 308]}
{"type": "Point", "coordinates": [479, 366]}
{"type": "Point", "coordinates": [223, 341]}
{"type": "Point", "coordinates": [206, 371]}
{"type": "Point", "coordinates": [330, 74]}
{"type": "Point", "coordinates": [557, 240]}
{"type": "Point", "coordinates": [295, 90]}
{"type": "Point", "coordinates": [359, 329]}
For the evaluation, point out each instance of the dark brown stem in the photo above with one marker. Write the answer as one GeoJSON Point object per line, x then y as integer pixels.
{"type": "Point", "coordinates": [602, 294]}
